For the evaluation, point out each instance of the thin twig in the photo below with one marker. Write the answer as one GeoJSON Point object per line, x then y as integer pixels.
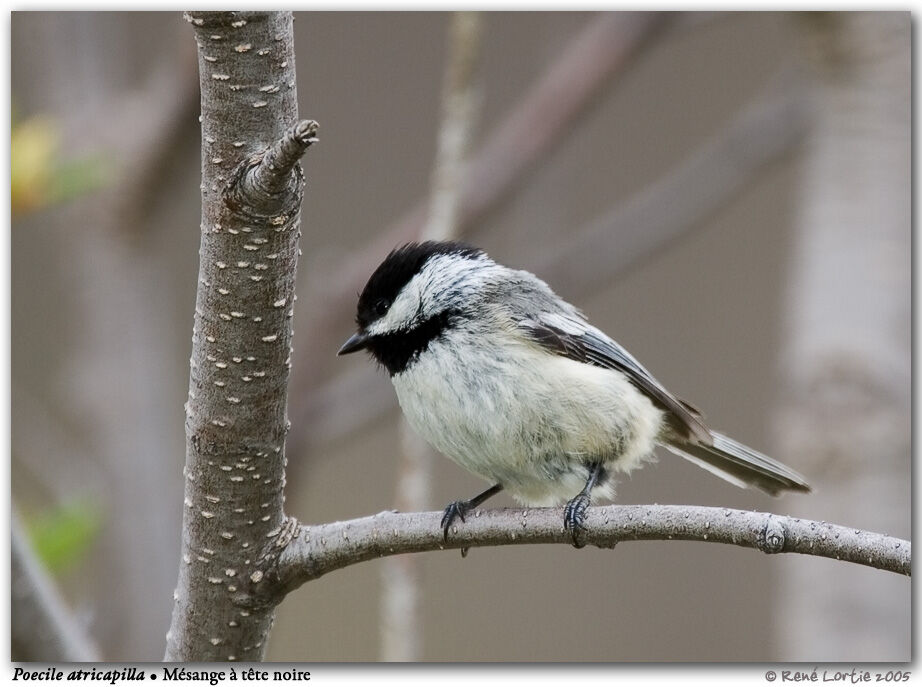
{"type": "Point", "coordinates": [460, 110]}
{"type": "Point", "coordinates": [317, 550]}
{"type": "Point", "coordinates": [401, 624]}
{"type": "Point", "coordinates": [269, 173]}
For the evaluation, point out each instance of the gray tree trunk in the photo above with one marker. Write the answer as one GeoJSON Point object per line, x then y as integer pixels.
{"type": "Point", "coordinates": [848, 361]}
{"type": "Point", "coordinates": [233, 522]}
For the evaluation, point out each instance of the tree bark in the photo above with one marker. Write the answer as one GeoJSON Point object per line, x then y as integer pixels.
{"type": "Point", "coordinates": [233, 521]}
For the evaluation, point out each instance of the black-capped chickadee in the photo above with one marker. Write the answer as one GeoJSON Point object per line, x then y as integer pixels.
{"type": "Point", "coordinates": [504, 377]}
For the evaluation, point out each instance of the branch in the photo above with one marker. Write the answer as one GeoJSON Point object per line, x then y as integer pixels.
{"type": "Point", "coordinates": [45, 630]}
{"type": "Point", "coordinates": [265, 181]}
{"type": "Point", "coordinates": [317, 550]}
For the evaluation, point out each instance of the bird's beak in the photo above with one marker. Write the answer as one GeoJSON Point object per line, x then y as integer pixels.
{"type": "Point", "coordinates": [354, 343]}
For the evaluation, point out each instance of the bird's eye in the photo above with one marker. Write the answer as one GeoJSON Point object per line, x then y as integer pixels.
{"type": "Point", "coordinates": [381, 307]}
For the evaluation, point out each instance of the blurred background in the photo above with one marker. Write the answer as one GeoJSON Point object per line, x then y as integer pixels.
{"type": "Point", "coordinates": [727, 194]}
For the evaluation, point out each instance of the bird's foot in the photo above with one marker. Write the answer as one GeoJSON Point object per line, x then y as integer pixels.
{"type": "Point", "coordinates": [456, 509]}
{"type": "Point", "coordinates": [574, 517]}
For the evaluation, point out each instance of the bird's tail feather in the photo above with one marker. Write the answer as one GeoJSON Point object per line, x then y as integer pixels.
{"type": "Point", "coordinates": [741, 465]}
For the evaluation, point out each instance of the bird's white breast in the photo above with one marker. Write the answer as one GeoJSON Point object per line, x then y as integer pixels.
{"type": "Point", "coordinates": [527, 419]}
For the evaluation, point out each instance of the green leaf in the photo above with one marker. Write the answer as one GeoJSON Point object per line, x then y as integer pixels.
{"type": "Point", "coordinates": [63, 536]}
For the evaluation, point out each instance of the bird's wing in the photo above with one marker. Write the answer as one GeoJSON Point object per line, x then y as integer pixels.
{"type": "Point", "coordinates": [568, 335]}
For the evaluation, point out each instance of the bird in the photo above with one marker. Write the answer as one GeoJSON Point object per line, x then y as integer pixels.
{"type": "Point", "coordinates": [511, 382]}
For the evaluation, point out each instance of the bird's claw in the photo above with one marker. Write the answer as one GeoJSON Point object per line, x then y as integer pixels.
{"type": "Point", "coordinates": [574, 517]}
{"type": "Point", "coordinates": [456, 509]}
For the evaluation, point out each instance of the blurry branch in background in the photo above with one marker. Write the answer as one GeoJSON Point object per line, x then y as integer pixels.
{"type": "Point", "coordinates": [37, 443]}
{"type": "Point", "coordinates": [317, 550]}
{"type": "Point", "coordinates": [171, 103]}
{"type": "Point", "coordinates": [159, 115]}
{"type": "Point", "coordinates": [105, 147]}
{"type": "Point", "coordinates": [678, 202]}
{"type": "Point", "coordinates": [461, 99]}
{"type": "Point", "coordinates": [401, 625]}
{"type": "Point", "coordinates": [44, 628]}
{"type": "Point", "coordinates": [846, 360]}
{"type": "Point", "coordinates": [530, 130]}
{"type": "Point", "coordinates": [683, 198]}
{"type": "Point", "coordinates": [139, 125]}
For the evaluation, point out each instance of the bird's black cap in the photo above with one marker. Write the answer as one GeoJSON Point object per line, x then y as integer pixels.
{"type": "Point", "coordinates": [396, 270]}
